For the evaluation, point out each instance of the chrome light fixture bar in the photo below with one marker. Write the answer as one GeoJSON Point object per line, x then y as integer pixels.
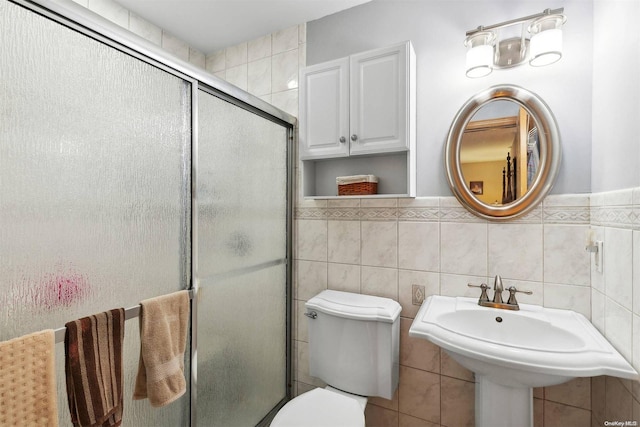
{"type": "Point", "coordinates": [486, 52]}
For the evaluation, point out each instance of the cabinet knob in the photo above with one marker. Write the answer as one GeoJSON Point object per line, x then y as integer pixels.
{"type": "Point", "coordinates": [354, 137]}
{"type": "Point", "coordinates": [343, 139]}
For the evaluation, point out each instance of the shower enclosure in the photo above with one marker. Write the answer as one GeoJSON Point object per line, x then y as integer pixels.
{"type": "Point", "coordinates": [127, 174]}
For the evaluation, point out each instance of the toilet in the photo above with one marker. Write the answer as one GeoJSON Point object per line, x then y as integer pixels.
{"type": "Point", "coordinates": [354, 343]}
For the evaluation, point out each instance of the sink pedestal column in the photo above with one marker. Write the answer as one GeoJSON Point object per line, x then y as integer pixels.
{"type": "Point", "coordinates": [502, 406]}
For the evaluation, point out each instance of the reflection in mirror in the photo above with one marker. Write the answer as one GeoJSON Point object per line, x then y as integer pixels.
{"type": "Point", "coordinates": [499, 154]}
{"type": "Point", "coordinates": [503, 152]}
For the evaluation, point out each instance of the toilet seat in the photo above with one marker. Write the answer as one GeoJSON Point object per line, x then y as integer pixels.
{"type": "Point", "coordinates": [320, 408]}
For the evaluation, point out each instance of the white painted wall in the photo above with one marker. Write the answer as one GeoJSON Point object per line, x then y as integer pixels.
{"type": "Point", "coordinates": [437, 29]}
{"type": "Point", "coordinates": [616, 95]}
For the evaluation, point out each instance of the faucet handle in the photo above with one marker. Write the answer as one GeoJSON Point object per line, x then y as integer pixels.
{"type": "Point", "coordinates": [483, 295]}
{"type": "Point", "coordinates": [512, 294]}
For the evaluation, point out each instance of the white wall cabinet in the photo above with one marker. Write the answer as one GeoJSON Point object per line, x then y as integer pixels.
{"type": "Point", "coordinates": [359, 106]}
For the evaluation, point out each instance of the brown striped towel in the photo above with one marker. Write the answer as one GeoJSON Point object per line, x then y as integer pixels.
{"type": "Point", "coordinates": [163, 338]}
{"type": "Point", "coordinates": [28, 394]}
{"type": "Point", "coordinates": [93, 366]}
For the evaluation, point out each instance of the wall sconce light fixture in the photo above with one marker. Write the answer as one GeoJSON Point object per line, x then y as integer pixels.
{"type": "Point", "coordinates": [486, 52]}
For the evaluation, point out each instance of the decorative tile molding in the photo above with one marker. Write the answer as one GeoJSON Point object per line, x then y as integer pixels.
{"type": "Point", "coordinates": [561, 209]}
{"type": "Point", "coordinates": [617, 209]}
{"type": "Point", "coordinates": [616, 216]}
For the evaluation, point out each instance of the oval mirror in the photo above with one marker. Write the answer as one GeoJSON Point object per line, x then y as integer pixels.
{"type": "Point", "coordinates": [503, 152]}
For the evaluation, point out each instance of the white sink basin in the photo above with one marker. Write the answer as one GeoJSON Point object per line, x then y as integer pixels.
{"type": "Point", "coordinates": [512, 351]}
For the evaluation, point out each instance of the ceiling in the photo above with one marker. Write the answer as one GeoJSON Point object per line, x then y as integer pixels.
{"type": "Point", "coordinates": [210, 25]}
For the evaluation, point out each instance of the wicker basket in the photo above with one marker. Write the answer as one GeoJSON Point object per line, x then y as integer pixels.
{"type": "Point", "coordinates": [357, 185]}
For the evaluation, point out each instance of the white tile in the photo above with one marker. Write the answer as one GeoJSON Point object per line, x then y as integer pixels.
{"type": "Point", "coordinates": [379, 243]}
{"type": "Point", "coordinates": [237, 76]}
{"type": "Point", "coordinates": [344, 203]}
{"type": "Point", "coordinates": [145, 29]}
{"type": "Point", "coordinates": [618, 328]}
{"type": "Point", "coordinates": [449, 202]}
{"type": "Point", "coordinates": [597, 277]}
{"type": "Point", "coordinates": [568, 297]}
{"type": "Point", "coordinates": [284, 71]}
{"type": "Point", "coordinates": [284, 40]}
{"type": "Point", "coordinates": [454, 285]}
{"type": "Point", "coordinates": [379, 203]}
{"type": "Point", "coordinates": [619, 197]}
{"type": "Point", "coordinates": [419, 202]}
{"type": "Point", "coordinates": [312, 240]}
{"type": "Point", "coordinates": [597, 309]}
{"type": "Point", "coordinates": [287, 101]}
{"type": "Point", "coordinates": [537, 297]}
{"type": "Point", "coordinates": [301, 331]}
{"type": "Point", "coordinates": [565, 258]}
{"type": "Point", "coordinates": [259, 48]}
{"type": "Point", "coordinates": [302, 33]}
{"type": "Point", "coordinates": [197, 58]}
{"type": "Point", "coordinates": [83, 3]}
{"type": "Point", "coordinates": [636, 342]}
{"type": "Point", "coordinates": [216, 61]}
{"type": "Point", "coordinates": [464, 248]}
{"type": "Point", "coordinates": [636, 274]}
{"type": "Point", "coordinates": [311, 279]}
{"type": "Point", "coordinates": [312, 203]}
{"type": "Point", "coordinates": [175, 46]}
{"type": "Point", "coordinates": [580, 200]}
{"type": "Point", "coordinates": [406, 280]}
{"type": "Point", "coordinates": [267, 99]}
{"type": "Point", "coordinates": [344, 242]}
{"type": "Point", "coordinates": [635, 195]}
{"type": "Point", "coordinates": [618, 259]}
{"type": "Point", "coordinates": [515, 251]}
{"type": "Point", "coordinates": [302, 55]}
{"type": "Point", "coordinates": [221, 74]}
{"type": "Point", "coordinates": [111, 10]}
{"type": "Point", "coordinates": [381, 282]}
{"type": "Point", "coordinates": [344, 277]}
{"type": "Point", "coordinates": [259, 77]}
{"type": "Point", "coordinates": [419, 245]}
{"type": "Point", "coordinates": [236, 55]}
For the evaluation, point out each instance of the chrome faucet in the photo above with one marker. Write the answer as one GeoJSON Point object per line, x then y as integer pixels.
{"type": "Point", "coordinates": [511, 304]}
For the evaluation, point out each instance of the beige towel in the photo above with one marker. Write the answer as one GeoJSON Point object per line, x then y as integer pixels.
{"type": "Point", "coordinates": [28, 381]}
{"type": "Point", "coordinates": [163, 338]}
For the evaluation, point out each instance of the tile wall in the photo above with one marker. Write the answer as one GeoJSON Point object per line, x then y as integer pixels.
{"type": "Point", "coordinates": [123, 17]}
{"type": "Point", "coordinates": [266, 67]}
{"type": "Point", "coordinates": [384, 246]}
{"type": "Point", "coordinates": [615, 299]}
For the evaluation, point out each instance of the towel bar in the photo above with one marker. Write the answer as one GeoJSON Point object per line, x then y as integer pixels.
{"type": "Point", "coordinates": [129, 313]}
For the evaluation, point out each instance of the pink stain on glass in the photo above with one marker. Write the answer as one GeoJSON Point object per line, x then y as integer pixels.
{"type": "Point", "coordinates": [62, 288]}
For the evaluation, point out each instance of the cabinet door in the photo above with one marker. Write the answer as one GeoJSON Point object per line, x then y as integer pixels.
{"type": "Point", "coordinates": [380, 84]}
{"type": "Point", "coordinates": [324, 110]}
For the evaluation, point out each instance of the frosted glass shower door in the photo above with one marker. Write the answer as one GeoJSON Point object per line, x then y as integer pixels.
{"type": "Point", "coordinates": [94, 189]}
{"type": "Point", "coordinates": [241, 264]}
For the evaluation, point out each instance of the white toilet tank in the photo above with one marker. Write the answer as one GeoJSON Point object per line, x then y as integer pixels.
{"type": "Point", "coordinates": [354, 342]}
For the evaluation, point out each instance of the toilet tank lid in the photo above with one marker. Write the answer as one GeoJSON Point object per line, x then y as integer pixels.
{"type": "Point", "coordinates": [355, 306]}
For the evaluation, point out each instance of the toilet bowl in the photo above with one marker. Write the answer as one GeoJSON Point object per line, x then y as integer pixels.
{"type": "Point", "coordinates": [322, 407]}
{"type": "Point", "coordinates": [353, 347]}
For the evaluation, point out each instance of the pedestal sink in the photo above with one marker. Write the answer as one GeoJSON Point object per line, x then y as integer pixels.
{"type": "Point", "coordinates": [511, 352]}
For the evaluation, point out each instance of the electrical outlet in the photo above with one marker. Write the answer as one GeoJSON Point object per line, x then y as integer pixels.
{"type": "Point", "coordinates": [417, 294]}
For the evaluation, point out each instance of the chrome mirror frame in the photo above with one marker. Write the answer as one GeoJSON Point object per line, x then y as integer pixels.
{"type": "Point", "coordinates": [549, 145]}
